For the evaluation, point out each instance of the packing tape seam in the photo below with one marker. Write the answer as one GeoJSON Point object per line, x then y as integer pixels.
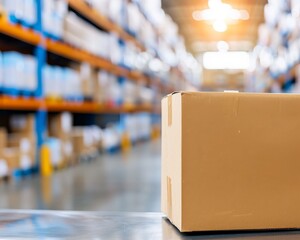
{"type": "Point", "coordinates": [169, 197]}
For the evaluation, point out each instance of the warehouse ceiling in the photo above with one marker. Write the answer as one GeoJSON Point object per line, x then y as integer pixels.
{"type": "Point", "coordinates": [200, 36]}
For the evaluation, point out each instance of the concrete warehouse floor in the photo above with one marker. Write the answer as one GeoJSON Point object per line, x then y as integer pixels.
{"type": "Point", "coordinates": [120, 182]}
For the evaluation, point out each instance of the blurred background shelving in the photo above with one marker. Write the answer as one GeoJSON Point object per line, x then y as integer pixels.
{"type": "Point", "coordinates": [109, 63]}
{"type": "Point", "coordinates": [276, 55]}
{"type": "Point", "coordinates": [95, 69]}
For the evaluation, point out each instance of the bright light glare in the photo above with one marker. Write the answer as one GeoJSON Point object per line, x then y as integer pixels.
{"type": "Point", "coordinates": [235, 14]}
{"type": "Point", "coordinates": [244, 15]}
{"type": "Point", "coordinates": [226, 60]}
{"type": "Point", "coordinates": [219, 13]}
{"type": "Point", "coordinates": [214, 3]}
{"type": "Point", "coordinates": [220, 26]}
{"type": "Point", "coordinates": [206, 15]}
{"type": "Point", "coordinates": [197, 15]}
{"type": "Point", "coordinates": [222, 46]}
{"type": "Point", "coordinates": [155, 65]}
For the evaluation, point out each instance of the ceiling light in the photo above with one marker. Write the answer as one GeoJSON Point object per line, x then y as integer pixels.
{"type": "Point", "coordinates": [220, 26]}
{"type": "Point", "coordinates": [244, 15]}
{"type": "Point", "coordinates": [219, 14]}
{"type": "Point", "coordinates": [203, 15]}
{"type": "Point", "coordinates": [214, 3]}
{"type": "Point", "coordinates": [226, 60]}
{"type": "Point", "coordinates": [222, 46]}
{"type": "Point", "coordinates": [235, 14]}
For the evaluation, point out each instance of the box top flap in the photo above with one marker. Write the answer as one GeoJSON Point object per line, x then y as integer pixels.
{"type": "Point", "coordinates": [196, 93]}
{"type": "Point", "coordinates": [232, 93]}
{"type": "Point", "coordinates": [173, 93]}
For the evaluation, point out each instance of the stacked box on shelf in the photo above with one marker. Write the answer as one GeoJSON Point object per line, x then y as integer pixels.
{"type": "Point", "coordinates": [86, 140]}
{"type": "Point", "coordinates": [111, 138]}
{"type": "Point", "coordinates": [83, 35]}
{"type": "Point", "coordinates": [133, 18]}
{"type": "Point", "coordinates": [18, 73]}
{"type": "Point", "coordinates": [138, 21]}
{"type": "Point", "coordinates": [84, 82]}
{"type": "Point", "coordinates": [115, 9]}
{"type": "Point", "coordinates": [20, 145]}
{"type": "Point", "coordinates": [53, 14]}
{"type": "Point", "coordinates": [100, 6]}
{"type": "Point", "coordinates": [132, 54]}
{"type": "Point", "coordinates": [130, 91]}
{"type": "Point", "coordinates": [22, 149]}
{"type": "Point", "coordinates": [62, 83]}
{"type": "Point", "coordinates": [60, 132]}
{"type": "Point", "coordinates": [21, 11]}
{"type": "Point", "coordinates": [278, 48]}
{"type": "Point", "coordinates": [5, 168]}
{"type": "Point", "coordinates": [108, 89]}
{"type": "Point", "coordinates": [112, 10]}
{"type": "Point", "coordinates": [157, 32]}
{"type": "Point", "coordinates": [68, 143]}
{"type": "Point", "coordinates": [170, 46]}
{"type": "Point", "coordinates": [138, 126]}
{"type": "Point", "coordinates": [88, 77]}
{"type": "Point", "coordinates": [145, 95]}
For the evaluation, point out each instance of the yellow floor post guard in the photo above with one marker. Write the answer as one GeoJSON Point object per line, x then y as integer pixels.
{"type": "Point", "coordinates": [46, 166]}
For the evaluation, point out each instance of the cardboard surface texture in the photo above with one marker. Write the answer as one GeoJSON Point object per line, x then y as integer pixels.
{"type": "Point", "coordinates": [230, 161]}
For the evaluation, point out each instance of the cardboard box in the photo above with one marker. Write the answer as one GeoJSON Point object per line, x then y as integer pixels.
{"type": "Point", "coordinates": [88, 77]}
{"type": "Point", "coordinates": [23, 123]}
{"type": "Point", "coordinates": [78, 143]}
{"type": "Point", "coordinates": [3, 138]}
{"type": "Point", "coordinates": [25, 142]}
{"type": "Point", "coordinates": [26, 145]}
{"type": "Point", "coordinates": [83, 141]}
{"type": "Point", "coordinates": [230, 161]}
{"type": "Point", "coordinates": [16, 159]}
{"type": "Point", "coordinates": [67, 151]}
{"type": "Point", "coordinates": [60, 126]}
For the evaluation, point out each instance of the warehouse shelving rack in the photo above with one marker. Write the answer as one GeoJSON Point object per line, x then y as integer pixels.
{"type": "Point", "coordinates": [42, 44]}
{"type": "Point", "coordinates": [62, 49]}
{"type": "Point", "coordinates": [103, 22]}
{"type": "Point", "coordinates": [34, 104]}
{"type": "Point", "coordinates": [283, 79]}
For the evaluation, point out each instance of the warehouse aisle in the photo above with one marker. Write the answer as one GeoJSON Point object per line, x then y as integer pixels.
{"type": "Point", "coordinates": [121, 182]}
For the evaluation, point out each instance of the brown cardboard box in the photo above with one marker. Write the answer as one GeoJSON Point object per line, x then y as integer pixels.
{"type": "Point", "coordinates": [3, 138]}
{"type": "Point", "coordinates": [78, 143]}
{"type": "Point", "coordinates": [60, 125]}
{"type": "Point", "coordinates": [83, 142]}
{"type": "Point", "coordinates": [16, 159]}
{"type": "Point", "coordinates": [23, 123]}
{"type": "Point", "coordinates": [88, 78]}
{"type": "Point", "coordinates": [230, 161]}
{"type": "Point", "coordinates": [11, 156]}
{"type": "Point", "coordinates": [26, 143]}
{"type": "Point", "coordinates": [67, 151]}
{"type": "Point", "coordinates": [101, 85]}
